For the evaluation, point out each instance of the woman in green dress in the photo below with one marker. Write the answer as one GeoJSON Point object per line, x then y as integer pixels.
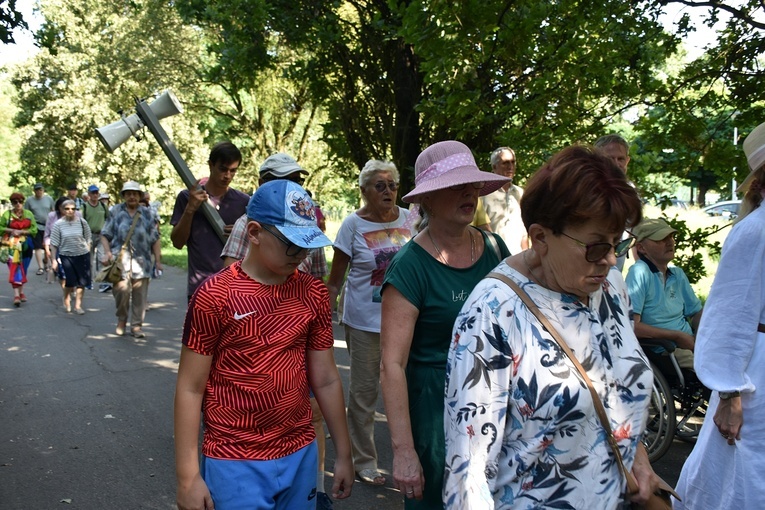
{"type": "Point", "coordinates": [424, 289]}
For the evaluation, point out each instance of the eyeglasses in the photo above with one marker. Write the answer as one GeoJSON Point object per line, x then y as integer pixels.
{"type": "Point", "coordinates": [595, 252]}
{"type": "Point", "coordinates": [17, 201]}
{"type": "Point", "coordinates": [297, 178]}
{"type": "Point", "coordinates": [460, 187]}
{"type": "Point", "coordinates": [293, 249]}
{"type": "Point", "coordinates": [381, 185]}
{"type": "Point", "coordinates": [68, 208]}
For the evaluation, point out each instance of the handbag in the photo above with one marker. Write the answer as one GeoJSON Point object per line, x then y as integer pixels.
{"type": "Point", "coordinates": [659, 500]}
{"type": "Point", "coordinates": [112, 273]}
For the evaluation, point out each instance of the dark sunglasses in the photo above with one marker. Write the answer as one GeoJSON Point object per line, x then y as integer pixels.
{"type": "Point", "coordinates": [460, 187]}
{"type": "Point", "coordinates": [381, 185]}
{"type": "Point", "coordinates": [68, 208]}
{"type": "Point", "coordinates": [292, 248]}
{"type": "Point", "coordinates": [297, 178]}
{"type": "Point", "coordinates": [17, 201]}
{"type": "Point", "coordinates": [595, 252]}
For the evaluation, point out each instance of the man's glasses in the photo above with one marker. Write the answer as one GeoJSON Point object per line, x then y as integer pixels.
{"type": "Point", "coordinates": [292, 249]}
{"type": "Point", "coordinates": [595, 252]}
{"type": "Point", "coordinates": [460, 187]}
{"type": "Point", "coordinates": [17, 201]}
{"type": "Point", "coordinates": [381, 185]}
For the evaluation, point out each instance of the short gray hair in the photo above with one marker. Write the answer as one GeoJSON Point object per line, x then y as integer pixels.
{"type": "Point", "coordinates": [375, 166]}
{"type": "Point", "coordinates": [495, 155]}
{"type": "Point", "coordinates": [612, 138]}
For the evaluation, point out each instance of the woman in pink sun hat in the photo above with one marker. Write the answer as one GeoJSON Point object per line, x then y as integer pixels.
{"type": "Point", "coordinates": [423, 291]}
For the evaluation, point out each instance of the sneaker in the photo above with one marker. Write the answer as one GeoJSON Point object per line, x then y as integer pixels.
{"type": "Point", "coordinates": [323, 501]}
{"type": "Point", "coordinates": [104, 287]}
{"type": "Point", "coordinates": [23, 298]}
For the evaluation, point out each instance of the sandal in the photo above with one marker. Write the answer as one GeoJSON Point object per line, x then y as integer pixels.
{"type": "Point", "coordinates": [79, 311]}
{"type": "Point", "coordinates": [371, 477]}
{"type": "Point", "coordinates": [23, 298]}
{"type": "Point", "coordinates": [40, 272]}
{"type": "Point", "coordinates": [17, 301]}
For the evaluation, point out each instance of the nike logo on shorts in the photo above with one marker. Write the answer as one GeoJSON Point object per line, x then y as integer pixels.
{"type": "Point", "coordinates": [240, 316]}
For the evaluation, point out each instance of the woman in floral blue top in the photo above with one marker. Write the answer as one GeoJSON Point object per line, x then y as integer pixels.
{"type": "Point", "coordinates": [521, 428]}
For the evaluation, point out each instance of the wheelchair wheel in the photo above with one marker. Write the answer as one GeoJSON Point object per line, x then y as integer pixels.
{"type": "Point", "coordinates": [693, 401]}
{"type": "Point", "coordinates": [689, 425]}
{"type": "Point", "coordinates": [660, 430]}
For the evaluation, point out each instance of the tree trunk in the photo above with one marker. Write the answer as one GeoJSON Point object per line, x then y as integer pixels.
{"type": "Point", "coordinates": [408, 90]}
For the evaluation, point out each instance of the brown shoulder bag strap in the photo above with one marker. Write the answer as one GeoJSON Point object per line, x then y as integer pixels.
{"type": "Point", "coordinates": [632, 486]}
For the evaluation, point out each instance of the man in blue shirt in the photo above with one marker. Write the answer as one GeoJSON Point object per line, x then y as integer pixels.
{"type": "Point", "coordinates": [663, 301]}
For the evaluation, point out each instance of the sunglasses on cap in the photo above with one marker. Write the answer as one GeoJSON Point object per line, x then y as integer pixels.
{"type": "Point", "coordinates": [296, 177]}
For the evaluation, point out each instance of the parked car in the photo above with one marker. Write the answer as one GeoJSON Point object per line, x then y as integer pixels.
{"type": "Point", "coordinates": [727, 209]}
{"type": "Point", "coordinates": [672, 202]}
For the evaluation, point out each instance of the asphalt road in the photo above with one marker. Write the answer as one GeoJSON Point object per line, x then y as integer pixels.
{"type": "Point", "coordinates": [86, 416]}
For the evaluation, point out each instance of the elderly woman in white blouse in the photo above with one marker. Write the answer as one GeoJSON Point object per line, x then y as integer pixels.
{"type": "Point", "coordinates": [521, 427]}
{"type": "Point", "coordinates": [70, 243]}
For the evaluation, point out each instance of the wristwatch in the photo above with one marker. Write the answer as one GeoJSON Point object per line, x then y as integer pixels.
{"type": "Point", "coordinates": [727, 395]}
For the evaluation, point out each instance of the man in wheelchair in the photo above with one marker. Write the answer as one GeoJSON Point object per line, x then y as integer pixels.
{"type": "Point", "coordinates": [666, 310]}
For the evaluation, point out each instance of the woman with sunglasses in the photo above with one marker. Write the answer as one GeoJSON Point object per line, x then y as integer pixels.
{"type": "Point", "coordinates": [53, 217]}
{"type": "Point", "coordinates": [19, 228]}
{"type": "Point", "coordinates": [366, 242]}
{"type": "Point", "coordinates": [70, 241]}
{"type": "Point", "coordinates": [423, 290]}
{"type": "Point", "coordinates": [521, 426]}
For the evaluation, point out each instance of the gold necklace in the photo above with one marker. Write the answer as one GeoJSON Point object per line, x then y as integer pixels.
{"type": "Point", "coordinates": [441, 255]}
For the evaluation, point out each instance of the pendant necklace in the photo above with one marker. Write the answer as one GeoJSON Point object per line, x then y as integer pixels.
{"type": "Point", "coordinates": [441, 255]}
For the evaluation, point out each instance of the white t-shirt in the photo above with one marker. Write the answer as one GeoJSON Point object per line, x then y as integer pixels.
{"type": "Point", "coordinates": [371, 246]}
{"type": "Point", "coordinates": [504, 212]}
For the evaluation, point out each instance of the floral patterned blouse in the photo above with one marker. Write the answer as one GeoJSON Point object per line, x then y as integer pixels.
{"type": "Point", "coordinates": [137, 257]}
{"type": "Point", "coordinates": [521, 429]}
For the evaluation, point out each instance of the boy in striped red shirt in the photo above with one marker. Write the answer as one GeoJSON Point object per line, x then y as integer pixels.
{"type": "Point", "coordinates": [256, 336]}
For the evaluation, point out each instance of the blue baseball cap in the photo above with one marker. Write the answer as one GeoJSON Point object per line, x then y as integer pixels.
{"type": "Point", "coordinates": [287, 206]}
{"type": "Point", "coordinates": [92, 188]}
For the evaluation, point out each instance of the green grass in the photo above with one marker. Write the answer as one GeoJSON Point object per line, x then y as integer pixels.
{"type": "Point", "coordinates": [172, 256]}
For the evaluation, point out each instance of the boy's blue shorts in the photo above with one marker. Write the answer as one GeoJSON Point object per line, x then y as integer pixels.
{"type": "Point", "coordinates": [286, 483]}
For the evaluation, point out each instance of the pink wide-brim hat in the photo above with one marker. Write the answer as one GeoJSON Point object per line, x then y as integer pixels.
{"type": "Point", "coordinates": [446, 164]}
{"type": "Point", "coordinates": [754, 148]}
